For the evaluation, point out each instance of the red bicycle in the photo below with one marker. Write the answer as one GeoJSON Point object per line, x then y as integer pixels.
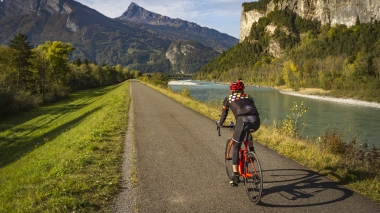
{"type": "Point", "coordinates": [249, 167]}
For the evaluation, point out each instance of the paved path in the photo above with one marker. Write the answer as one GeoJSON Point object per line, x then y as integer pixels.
{"type": "Point", "coordinates": [181, 168]}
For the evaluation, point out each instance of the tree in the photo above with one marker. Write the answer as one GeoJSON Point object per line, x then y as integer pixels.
{"type": "Point", "coordinates": [21, 59]}
{"type": "Point", "coordinates": [77, 62]}
{"type": "Point", "coordinates": [57, 54]}
{"type": "Point", "coordinates": [41, 72]}
{"type": "Point", "coordinates": [7, 73]}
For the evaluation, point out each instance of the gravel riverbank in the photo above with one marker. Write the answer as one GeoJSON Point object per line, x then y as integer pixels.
{"type": "Point", "coordinates": [327, 98]}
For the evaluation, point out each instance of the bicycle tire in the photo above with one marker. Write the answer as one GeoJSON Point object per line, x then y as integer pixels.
{"type": "Point", "coordinates": [253, 182]}
{"type": "Point", "coordinates": [228, 159]}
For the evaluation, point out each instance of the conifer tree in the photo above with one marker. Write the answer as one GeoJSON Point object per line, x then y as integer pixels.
{"type": "Point", "coordinates": [21, 59]}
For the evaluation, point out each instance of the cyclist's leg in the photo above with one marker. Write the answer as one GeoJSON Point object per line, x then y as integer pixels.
{"type": "Point", "coordinates": [235, 162]}
{"type": "Point", "coordinates": [251, 127]}
{"type": "Point", "coordinates": [238, 138]}
{"type": "Point", "coordinates": [250, 141]}
{"type": "Point", "coordinates": [239, 135]}
{"type": "Point", "coordinates": [235, 156]}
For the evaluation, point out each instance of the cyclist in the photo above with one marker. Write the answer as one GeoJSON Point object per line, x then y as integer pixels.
{"type": "Point", "coordinates": [247, 120]}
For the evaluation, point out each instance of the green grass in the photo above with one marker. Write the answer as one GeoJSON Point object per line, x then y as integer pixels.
{"type": "Point", "coordinates": [306, 153]}
{"type": "Point", "coordinates": [64, 157]}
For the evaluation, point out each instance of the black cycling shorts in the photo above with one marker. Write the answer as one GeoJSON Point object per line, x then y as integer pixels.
{"type": "Point", "coordinates": [242, 132]}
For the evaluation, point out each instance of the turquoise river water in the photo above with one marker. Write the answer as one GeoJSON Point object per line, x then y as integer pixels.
{"type": "Point", "coordinates": [352, 120]}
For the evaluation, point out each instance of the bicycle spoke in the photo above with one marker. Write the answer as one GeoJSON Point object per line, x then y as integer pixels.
{"type": "Point", "coordinates": [253, 180]}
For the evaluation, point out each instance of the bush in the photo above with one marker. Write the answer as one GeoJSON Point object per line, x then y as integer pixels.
{"type": "Point", "coordinates": [355, 155]}
{"type": "Point", "coordinates": [333, 142]}
{"type": "Point", "coordinates": [291, 125]}
{"type": "Point", "coordinates": [6, 100]}
{"type": "Point", "coordinates": [184, 91]}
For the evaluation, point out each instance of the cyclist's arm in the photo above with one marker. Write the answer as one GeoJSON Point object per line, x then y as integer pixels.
{"type": "Point", "coordinates": [225, 109]}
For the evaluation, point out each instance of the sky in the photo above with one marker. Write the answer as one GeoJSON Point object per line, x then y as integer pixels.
{"type": "Point", "coordinates": [221, 15]}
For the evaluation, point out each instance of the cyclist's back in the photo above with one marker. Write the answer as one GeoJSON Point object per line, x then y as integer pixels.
{"type": "Point", "coordinates": [247, 120]}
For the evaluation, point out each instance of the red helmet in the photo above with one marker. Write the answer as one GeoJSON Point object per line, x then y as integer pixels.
{"type": "Point", "coordinates": [237, 85]}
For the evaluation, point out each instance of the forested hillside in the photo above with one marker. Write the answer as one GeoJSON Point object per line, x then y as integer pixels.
{"type": "Point", "coordinates": [30, 77]}
{"type": "Point", "coordinates": [344, 60]}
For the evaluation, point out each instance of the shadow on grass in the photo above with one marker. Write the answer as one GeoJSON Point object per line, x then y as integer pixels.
{"type": "Point", "coordinates": [20, 146]}
{"type": "Point", "coordinates": [61, 107]}
{"type": "Point", "coordinates": [300, 188]}
{"type": "Point", "coordinates": [351, 174]}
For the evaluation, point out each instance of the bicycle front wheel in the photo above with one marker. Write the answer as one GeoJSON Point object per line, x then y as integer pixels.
{"type": "Point", "coordinates": [228, 158]}
{"type": "Point", "coordinates": [253, 180]}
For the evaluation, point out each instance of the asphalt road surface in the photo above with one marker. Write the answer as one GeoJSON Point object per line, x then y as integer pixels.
{"type": "Point", "coordinates": [181, 168]}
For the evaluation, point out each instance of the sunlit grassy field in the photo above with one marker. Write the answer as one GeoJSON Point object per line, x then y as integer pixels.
{"type": "Point", "coordinates": [64, 157]}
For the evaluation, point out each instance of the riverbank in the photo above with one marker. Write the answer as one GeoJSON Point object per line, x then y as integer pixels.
{"type": "Point", "coordinates": [312, 93]}
{"type": "Point", "coordinates": [316, 155]}
{"type": "Point", "coordinates": [320, 94]}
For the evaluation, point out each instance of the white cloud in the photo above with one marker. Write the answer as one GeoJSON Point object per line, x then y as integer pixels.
{"type": "Point", "coordinates": [222, 15]}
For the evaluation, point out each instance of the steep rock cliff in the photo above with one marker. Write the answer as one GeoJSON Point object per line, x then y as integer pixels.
{"type": "Point", "coordinates": [189, 56]}
{"type": "Point", "coordinates": [332, 12]}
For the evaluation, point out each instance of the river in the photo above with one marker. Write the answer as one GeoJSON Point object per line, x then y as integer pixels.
{"type": "Point", "coordinates": [352, 120]}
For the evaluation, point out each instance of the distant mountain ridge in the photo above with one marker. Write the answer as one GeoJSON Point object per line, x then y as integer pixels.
{"type": "Point", "coordinates": [94, 36]}
{"type": "Point", "coordinates": [98, 38]}
{"type": "Point", "coordinates": [177, 28]}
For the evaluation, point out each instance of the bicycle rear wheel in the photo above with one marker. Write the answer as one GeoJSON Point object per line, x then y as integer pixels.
{"type": "Point", "coordinates": [228, 158]}
{"type": "Point", "coordinates": [253, 180]}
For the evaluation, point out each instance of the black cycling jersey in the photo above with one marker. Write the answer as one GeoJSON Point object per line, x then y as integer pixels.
{"type": "Point", "coordinates": [240, 104]}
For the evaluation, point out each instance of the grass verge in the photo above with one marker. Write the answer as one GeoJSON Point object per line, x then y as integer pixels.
{"type": "Point", "coordinates": [306, 153]}
{"type": "Point", "coordinates": [64, 157]}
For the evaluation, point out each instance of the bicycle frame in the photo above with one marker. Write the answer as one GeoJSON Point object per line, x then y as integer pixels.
{"type": "Point", "coordinates": [242, 153]}
{"type": "Point", "coordinates": [253, 182]}
{"type": "Point", "coordinates": [242, 159]}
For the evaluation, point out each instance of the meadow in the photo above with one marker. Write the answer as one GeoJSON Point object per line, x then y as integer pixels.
{"type": "Point", "coordinates": [65, 156]}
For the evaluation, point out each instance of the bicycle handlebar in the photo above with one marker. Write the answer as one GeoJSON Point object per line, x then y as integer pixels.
{"type": "Point", "coordinates": [232, 125]}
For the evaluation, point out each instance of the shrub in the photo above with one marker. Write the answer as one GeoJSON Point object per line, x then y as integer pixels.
{"type": "Point", "coordinates": [184, 91]}
{"type": "Point", "coordinates": [6, 100]}
{"type": "Point", "coordinates": [291, 125]}
{"type": "Point", "coordinates": [333, 141]}
{"type": "Point", "coordinates": [354, 154]}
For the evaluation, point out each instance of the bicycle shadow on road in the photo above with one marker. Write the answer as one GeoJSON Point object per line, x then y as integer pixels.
{"type": "Point", "coordinates": [300, 188]}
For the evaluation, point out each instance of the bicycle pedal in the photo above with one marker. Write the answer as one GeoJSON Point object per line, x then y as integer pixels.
{"type": "Point", "coordinates": [233, 184]}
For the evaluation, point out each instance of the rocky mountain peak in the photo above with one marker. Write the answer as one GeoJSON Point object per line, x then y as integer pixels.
{"type": "Point", "coordinates": [10, 8]}
{"type": "Point", "coordinates": [134, 10]}
{"type": "Point", "coordinates": [177, 28]}
{"type": "Point", "coordinates": [135, 13]}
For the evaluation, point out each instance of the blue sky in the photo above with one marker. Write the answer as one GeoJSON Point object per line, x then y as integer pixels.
{"type": "Point", "coordinates": [221, 15]}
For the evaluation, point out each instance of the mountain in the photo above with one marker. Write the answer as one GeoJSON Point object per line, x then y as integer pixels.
{"type": "Point", "coordinates": [305, 44]}
{"type": "Point", "coordinates": [94, 36]}
{"type": "Point", "coordinates": [178, 29]}
{"type": "Point", "coordinates": [189, 56]}
{"type": "Point", "coordinates": [327, 12]}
